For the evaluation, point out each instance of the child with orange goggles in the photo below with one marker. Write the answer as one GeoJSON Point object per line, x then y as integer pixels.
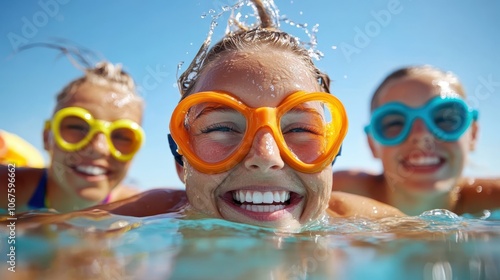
{"type": "Point", "coordinates": [255, 147]}
{"type": "Point", "coordinates": [215, 130]}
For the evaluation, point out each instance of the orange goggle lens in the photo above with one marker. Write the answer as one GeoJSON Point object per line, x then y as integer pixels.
{"type": "Point", "coordinates": [215, 130]}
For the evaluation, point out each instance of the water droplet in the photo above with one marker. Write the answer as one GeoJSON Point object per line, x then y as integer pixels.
{"type": "Point", "coordinates": [479, 189]}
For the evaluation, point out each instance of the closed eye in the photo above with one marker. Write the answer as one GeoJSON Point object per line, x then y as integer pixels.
{"type": "Point", "coordinates": [76, 127]}
{"type": "Point", "coordinates": [303, 129]}
{"type": "Point", "coordinates": [219, 128]}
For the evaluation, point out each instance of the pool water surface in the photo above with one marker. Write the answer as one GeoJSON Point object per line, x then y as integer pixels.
{"type": "Point", "coordinates": [435, 245]}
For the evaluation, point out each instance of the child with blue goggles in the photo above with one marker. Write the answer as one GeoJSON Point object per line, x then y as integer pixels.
{"type": "Point", "coordinates": [422, 130]}
{"type": "Point", "coordinates": [447, 117]}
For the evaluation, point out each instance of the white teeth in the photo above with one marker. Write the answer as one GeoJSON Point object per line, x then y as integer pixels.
{"type": "Point", "coordinates": [277, 197]}
{"type": "Point", "coordinates": [262, 208]}
{"type": "Point", "coordinates": [422, 161]}
{"type": "Point", "coordinates": [268, 197]}
{"type": "Point", "coordinates": [91, 170]}
{"type": "Point", "coordinates": [248, 197]}
{"type": "Point", "coordinates": [256, 197]}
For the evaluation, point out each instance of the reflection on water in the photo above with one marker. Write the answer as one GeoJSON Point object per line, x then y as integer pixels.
{"type": "Point", "coordinates": [435, 245]}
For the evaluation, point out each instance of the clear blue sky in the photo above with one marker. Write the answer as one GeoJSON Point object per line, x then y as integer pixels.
{"type": "Point", "coordinates": [362, 41]}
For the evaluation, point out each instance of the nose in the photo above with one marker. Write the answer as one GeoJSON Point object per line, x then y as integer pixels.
{"type": "Point", "coordinates": [98, 146]}
{"type": "Point", "coordinates": [421, 135]}
{"type": "Point", "coordinates": [264, 154]}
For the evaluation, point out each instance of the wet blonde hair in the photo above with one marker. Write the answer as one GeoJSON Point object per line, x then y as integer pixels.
{"type": "Point", "coordinates": [419, 70]}
{"type": "Point", "coordinates": [265, 35]}
{"type": "Point", "coordinates": [103, 74]}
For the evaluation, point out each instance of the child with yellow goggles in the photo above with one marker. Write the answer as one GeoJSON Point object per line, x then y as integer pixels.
{"type": "Point", "coordinates": [91, 138]}
{"type": "Point", "coordinates": [75, 127]}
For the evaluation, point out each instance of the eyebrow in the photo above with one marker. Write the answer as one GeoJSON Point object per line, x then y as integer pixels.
{"type": "Point", "coordinates": [302, 109]}
{"type": "Point", "coordinates": [214, 108]}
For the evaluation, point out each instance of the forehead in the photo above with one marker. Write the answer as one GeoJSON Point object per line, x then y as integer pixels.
{"type": "Point", "coordinates": [104, 102]}
{"type": "Point", "coordinates": [417, 89]}
{"type": "Point", "coordinates": [258, 78]}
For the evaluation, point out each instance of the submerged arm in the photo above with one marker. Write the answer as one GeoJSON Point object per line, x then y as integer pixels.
{"type": "Point", "coordinates": [347, 205]}
{"type": "Point", "coordinates": [153, 202]}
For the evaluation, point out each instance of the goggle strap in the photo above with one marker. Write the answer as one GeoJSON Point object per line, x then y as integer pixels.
{"type": "Point", "coordinates": [338, 154]}
{"type": "Point", "coordinates": [173, 150]}
{"type": "Point", "coordinates": [475, 115]}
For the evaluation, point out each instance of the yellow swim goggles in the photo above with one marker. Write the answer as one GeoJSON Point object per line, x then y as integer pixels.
{"type": "Point", "coordinates": [74, 127]}
{"type": "Point", "coordinates": [215, 130]}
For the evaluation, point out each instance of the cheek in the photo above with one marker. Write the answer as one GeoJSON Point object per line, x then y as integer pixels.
{"type": "Point", "coordinates": [120, 166]}
{"type": "Point", "coordinates": [62, 157]}
{"type": "Point", "coordinates": [459, 151]}
{"type": "Point", "coordinates": [319, 189]}
{"type": "Point", "coordinates": [387, 154]}
{"type": "Point", "coordinates": [201, 189]}
{"type": "Point", "coordinates": [319, 184]}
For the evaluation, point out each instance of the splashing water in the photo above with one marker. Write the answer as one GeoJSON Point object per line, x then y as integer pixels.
{"type": "Point", "coordinates": [236, 21]}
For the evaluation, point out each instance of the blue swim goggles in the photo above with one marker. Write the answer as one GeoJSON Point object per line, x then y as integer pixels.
{"type": "Point", "coordinates": [446, 117]}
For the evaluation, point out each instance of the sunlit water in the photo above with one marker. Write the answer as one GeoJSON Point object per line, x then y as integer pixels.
{"type": "Point", "coordinates": [435, 245]}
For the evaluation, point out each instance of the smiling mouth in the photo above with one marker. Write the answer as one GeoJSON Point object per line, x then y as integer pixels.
{"type": "Point", "coordinates": [423, 161]}
{"type": "Point", "coordinates": [90, 170]}
{"type": "Point", "coordinates": [256, 201]}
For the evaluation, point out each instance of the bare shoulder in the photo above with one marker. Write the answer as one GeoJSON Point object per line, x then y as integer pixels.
{"type": "Point", "coordinates": [23, 182]}
{"type": "Point", "coordinates": [123, 192]}
{"type": "Point", "coordinates": [148, 203]}
{"type": "Point", "coordinates": [350, 205]}
{"type": "Point", "coordinates": [478, 194]}
{"type": "Point", "coordinates": [356, 181]}
{"type": "Point", "coordinates": [490, 184]}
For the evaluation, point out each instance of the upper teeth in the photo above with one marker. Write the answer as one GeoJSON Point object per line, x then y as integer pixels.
{"type": "Point", "coordinates": [91, 170]}
{"type": "Point", "coordinates": [423, 160]}
{"type": "Point", "coordinates": [257, 197]}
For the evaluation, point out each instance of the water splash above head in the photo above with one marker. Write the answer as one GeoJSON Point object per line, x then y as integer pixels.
{"type": "Point", "coordinates": [241, 20]}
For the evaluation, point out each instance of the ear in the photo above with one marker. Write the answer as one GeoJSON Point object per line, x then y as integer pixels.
{"type": "Point", "coordinates": [47, 139]}
{"type": "Point", "coordinates": [180, 171]}
{"type": "Point", "coordinates": [474, 134]}
{"type": "Point", "coordinates": [373, 146]}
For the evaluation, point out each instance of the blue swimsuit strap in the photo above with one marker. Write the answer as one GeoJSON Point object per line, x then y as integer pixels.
{"type": "Point", "coordinates": [38, 199]}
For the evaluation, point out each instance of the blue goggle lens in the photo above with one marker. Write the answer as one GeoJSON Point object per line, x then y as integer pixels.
{"type": "Point", "coordinates": [446, 117]}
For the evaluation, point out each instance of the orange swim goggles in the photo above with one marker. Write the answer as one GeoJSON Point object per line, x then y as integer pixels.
{"type": "Point", "coordinates": [74, 127]}
{"type": "Point", "coordinates": [215, 130]}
